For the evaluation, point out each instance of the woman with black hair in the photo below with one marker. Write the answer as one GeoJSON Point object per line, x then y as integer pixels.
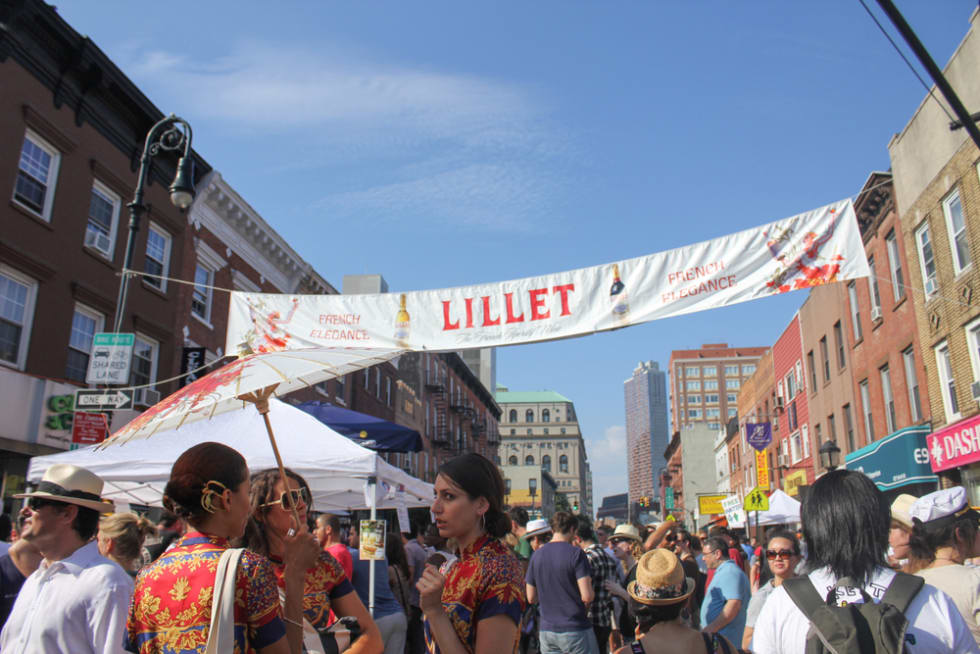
{"type": "Point", "coordinates": [171, 608]}
{"type": "Point", "coordinates": [845, 522]}
{"type": "Point", "coordinates": [475, 604]}
{"type": "Point", "coordinates": [656, 599]}
{"type": "Point", "coordinates": [944, 536]}
{"type": "Point", "coordinates": [326, 585]}
{"type": "Point", "coordinates": [782, 554]}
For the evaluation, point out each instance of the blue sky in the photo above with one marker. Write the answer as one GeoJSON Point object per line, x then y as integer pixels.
{"type": "Point", "coordinates": [451, 143]}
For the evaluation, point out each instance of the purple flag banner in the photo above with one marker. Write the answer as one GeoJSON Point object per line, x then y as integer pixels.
{"type": "Point", "coordinates": [758, 435]}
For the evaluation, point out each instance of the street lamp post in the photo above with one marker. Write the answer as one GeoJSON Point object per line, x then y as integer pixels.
{"type": "Point", "coordinates": [829, 455]}
{"type": "Point", "coordinates": [166, 135]}
{"type": "Point", "coordinates": [532, 487]}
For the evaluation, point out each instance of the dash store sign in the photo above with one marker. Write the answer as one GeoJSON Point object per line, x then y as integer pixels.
{"type": "Point", "coordinates": [956, 445]}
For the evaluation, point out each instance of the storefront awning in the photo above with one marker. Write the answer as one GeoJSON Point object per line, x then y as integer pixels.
{"type": "Point", "coordinates": [899, 459]}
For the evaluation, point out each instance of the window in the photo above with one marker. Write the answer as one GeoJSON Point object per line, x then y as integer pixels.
{"type": "Point", "coordinates": [507, 485]}
{"type": "Point", "coordinates": [711, 399]}
{"type": "Point", "coordinates": [545, 431]}
{"type": "Point", "coordinates": [546, 463]}
{"type": "Point", "coordinates": [103, 216]}
{"type": "Point", "coordinates": [85, 323]}
{"type": "Point", "coordinates": [545, 415]}
{"type": "Point", "coordinates": [563, 463]}
{"type": "Point", "coordinates": [513, 432]}
{"type": "Point", "coordinates": [694, 399]}
{"type": "Point", "coordinates": [855, 311]}
{"type": "Point", "coordinates": [367, 379]}
{"type": "Point", "coordinates": [791, 389]}
{"type": "Point", "coordinates": [692, 386]}
{"type": "Point", "coordinates": [36, 175]}
{"type": "Point", "coordinates": [157, 257]}
{"type": "Point", "coordinates": [795, 447]}
{"type": "Point", "coordinates": [377, 383]}
{"type": "Point", "coordinates": [927, 261]}
{"type": "Point", "coordinates": [529, 431]}
{"type": "Point", "coordinates": [201, 295]}
{"type": "Point", "coordinates": [889, 400]}
{"type": "Point", "coordinates": [694, 413]}
{"type": "Point", "coordinates": [849, 427]}
{"type": "Point", "coordinates": [692, 371]}
{"type": "Point", "coordinates": [824, 360]}
{"type": "Point", "coordinates": [839, 344]}
{"type": "Point", "coordinates": [832, 427]}
{"type": "Point", "coordinates": [748, 369]}
{"type": "Point", "coordinates": [873, 289]}
{"type": "Point", "coordinates": [811, 365]}
{"type": "Point", "coordinates": [733, 383]}
{"type": "Point", "coordinates": [791, 416]}
{"type": "Point", "coordinates": [512, 460]}
{"type": "Point", "coordinates": [709, 371]}
{"type": "Point", "coordinates": [712, 413]}
{"type": "Point", "coordinates": [388, 391]}
{"type": "Point", "coordinates": [714, 425]}
{"type": "Point", "coordinates": [563, 430]}
{"type": "Point", "coordinates": [711, 385]}
{"type": "Point", "coordinates": [529, 416]}
{"type": "Point", "coordinates": [145, 356]}
{"type": "Point", "coordinates": [17, 296]}
{"type": "Point", "coordinates": [953, 210]}
{"type": "Point", "coordinates": [869, 425]}
{"type": "Point", "coordinates": [946, 382]}
{"type": "Point", "coordinates": [731, 371]}
{"type": "Point", "coordinates": [895, 267]}
{"type": "Point", "coordinates": [973, 343]}
{"type": "Point", "coordinates": [529, 460]}
{"type": "Point", "coordinates": [805, 437]}
{"type": "Point", "coordinates": [731, 397]}
{"type": "Point", "coordinates": [512, 416]}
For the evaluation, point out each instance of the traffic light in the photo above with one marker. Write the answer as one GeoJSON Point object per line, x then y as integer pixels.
{"type": "Point", "coordinates": [575, 507]}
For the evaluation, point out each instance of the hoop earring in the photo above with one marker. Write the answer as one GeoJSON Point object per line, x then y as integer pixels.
{"type": "Point", "coordinates": [209, 494]}
{"type": "Point", "coordinates": [483, 521]}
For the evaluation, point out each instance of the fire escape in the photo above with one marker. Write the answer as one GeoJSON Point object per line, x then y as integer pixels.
{"type": "Point", "coordinates": [436, 386]}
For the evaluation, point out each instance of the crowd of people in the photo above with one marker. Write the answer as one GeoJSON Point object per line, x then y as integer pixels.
{"type": "Point", "coordinates": [239, 562]}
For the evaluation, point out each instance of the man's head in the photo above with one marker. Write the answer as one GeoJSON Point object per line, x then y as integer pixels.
{"type": "Point", "coordinates": [564, 524]}
{"type": "Point", "coordinates": [63, 513]}
{"type": "Point", "coordinates": [584, 532]}
{"type": "Point", "coordinates": [327, 529]}
{"type": "Point", "coordinates": [432, 537]}
{"type": "Point", "coordinates": [518, 520]}
{"type": "Point", "coordinates": [538, 533]}
{"type": "Point", "coordinates": [714, 551]}
{"type": "Point", "coordinates": [603, 532]}
{"type": "Point", "coordinates": [845, 523]}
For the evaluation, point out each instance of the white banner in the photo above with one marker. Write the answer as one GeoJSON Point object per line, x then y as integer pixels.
{"type": "Point", "coordinates": [817, 247]}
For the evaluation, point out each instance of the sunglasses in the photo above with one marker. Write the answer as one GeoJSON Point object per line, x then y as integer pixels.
{"type": "Point", "coordinates": [300, 495]}
{"type": "Point", "coordinates": [37, 503]}
{"type": "Point", "coordinates": [772, 555]}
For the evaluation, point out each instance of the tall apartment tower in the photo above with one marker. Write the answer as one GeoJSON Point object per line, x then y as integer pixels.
{"type": "Point", "coordinates": [646, 428]}
{"type": "Point", "coordinates": [704, 383]}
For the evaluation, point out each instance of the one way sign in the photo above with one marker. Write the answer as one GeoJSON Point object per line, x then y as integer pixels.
{"type": "Point", "coordinates": [103, 400]}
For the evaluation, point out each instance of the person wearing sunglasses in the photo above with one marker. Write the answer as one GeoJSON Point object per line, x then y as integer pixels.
{"type": "Point", "coordinates": [271, 522]}
{"type": "Point", "coordinates": [782, 554]}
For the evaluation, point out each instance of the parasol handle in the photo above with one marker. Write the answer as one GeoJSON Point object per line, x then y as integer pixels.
{"type": "Point", "coordinates": [261, 401]}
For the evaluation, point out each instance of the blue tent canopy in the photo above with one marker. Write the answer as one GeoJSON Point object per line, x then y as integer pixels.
{"type": "Point", "coordinates": [367, 431]}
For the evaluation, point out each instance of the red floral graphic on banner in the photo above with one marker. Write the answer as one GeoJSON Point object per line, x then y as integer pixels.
{"type": "Point", "coordinates": [803, 265]}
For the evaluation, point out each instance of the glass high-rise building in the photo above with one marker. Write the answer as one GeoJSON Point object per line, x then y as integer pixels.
{"type": "Point", "coordinates": [646, 428]}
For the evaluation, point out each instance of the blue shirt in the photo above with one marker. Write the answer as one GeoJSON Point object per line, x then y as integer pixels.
{"type": "Point", "coordinates": [728, 583]}
{"type": "Point", "coordinates": [554, 571]}
{"type": "Point", "coordinates": [384, 600]}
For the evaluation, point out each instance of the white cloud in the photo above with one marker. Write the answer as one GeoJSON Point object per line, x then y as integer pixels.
{"type": "Point", "coordinates": [607, 457]}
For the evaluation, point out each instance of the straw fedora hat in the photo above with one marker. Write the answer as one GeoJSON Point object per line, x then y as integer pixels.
{"type": "Point", "coordinates": [901, 509]}
{"type": "Point", "coordinates": [660, 579]}
{"type": "Point", "coordinates": [70, 484]}
{"type": "Point", "coordinates": [625, 531]}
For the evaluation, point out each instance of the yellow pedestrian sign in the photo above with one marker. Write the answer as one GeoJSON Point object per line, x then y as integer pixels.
{"type": "Point", "coordinates": [757, 500]}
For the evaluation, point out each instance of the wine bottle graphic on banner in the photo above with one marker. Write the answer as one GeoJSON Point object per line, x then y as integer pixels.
{"type": "Point", "coordinates": [402, 321]}
{"type": "Point", "coordinates": [618, 296]}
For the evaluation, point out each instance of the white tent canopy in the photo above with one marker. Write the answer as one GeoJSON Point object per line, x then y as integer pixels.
{"type": "Point", "coordinates": [336, 468]}
{"type": "Point", "coordinates": [783, 509]}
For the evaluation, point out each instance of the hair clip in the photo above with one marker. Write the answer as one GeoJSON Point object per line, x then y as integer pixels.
{"type": "Point", "coordinates": [208, 494]}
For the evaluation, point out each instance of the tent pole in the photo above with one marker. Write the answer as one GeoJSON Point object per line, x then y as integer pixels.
{"type": "Point", "coordinates": [373, 487]}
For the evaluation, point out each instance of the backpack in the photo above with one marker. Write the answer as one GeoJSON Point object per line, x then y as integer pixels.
{"type": "Point", "coordinates": [864, 627]}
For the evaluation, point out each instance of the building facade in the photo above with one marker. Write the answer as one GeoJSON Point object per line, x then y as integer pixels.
{"type": "Point", "coordinates": [531, 488]}
{"type": "Point", "coordinates": [756, 403]}
{"type": "Point", "coordinates": [646, 428]}
{"type": "Point", "coordinates": [937, 189]}
{"type": "Point", "coordinates": [704, 383]}
{"type": "Point", "coordinates": [540, 428]}
{"type": "Point", "coordinates": [794, 445]}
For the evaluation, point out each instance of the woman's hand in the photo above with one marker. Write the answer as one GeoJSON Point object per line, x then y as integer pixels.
{"type": "Point", "coordinates": [300, 552]}
{"type": "Point", "coordinates": [614, 588]}
{"type": "Point", "coordinates": [430, 586]}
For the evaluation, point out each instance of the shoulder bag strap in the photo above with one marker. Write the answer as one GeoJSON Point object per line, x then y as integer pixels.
{"type": "Point", "coordinates": [221, 636]}
{"type": "Point", "coordinates": [902, 590]}
{"type": "Point", "coordinates": [312, 644]}
{"type": "Point", "coordinates": [804, 595]}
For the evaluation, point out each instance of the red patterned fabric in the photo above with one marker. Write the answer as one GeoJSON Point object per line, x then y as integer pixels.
{"type": "Point", "coordinates": [171, 609]}
{"type": "Point", "coordinates": [484, 582]}
{"type": "Point", "coordinates": [324, 582]}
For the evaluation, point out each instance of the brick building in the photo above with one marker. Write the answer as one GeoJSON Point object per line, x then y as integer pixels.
{"type": "Point", "coordinates": [794, 445]}
{"type": "Point", "coordinates": [756, 403]}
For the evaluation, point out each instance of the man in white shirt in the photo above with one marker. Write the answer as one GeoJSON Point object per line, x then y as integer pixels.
{"type": "Point", "coordinates": [845, 522]}
{"type": "Point", "coordinates": [77, 600]}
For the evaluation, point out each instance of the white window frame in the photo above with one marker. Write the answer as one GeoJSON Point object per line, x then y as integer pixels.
{"type": "Point", "coordinates": [692, 371]}
{"type": "Point", "coordinates": [954, 195]}
{"type": "Point", "coordinates": [208, 293]}
{"type": "Point", "coordinates": [866, 414]}
{"type": "Point", "coordinates": [711, 385]}
{"type": "Point", "coordinates": [694, 414]}
{"type": "Point", "coordinates": [159, 284]}
{"type": "Point", "coordinates": [912, 383]}
{"type": "Point", "coordinates": [731, 397]}
{"type": "Point", "coordinates": [711, 399]}
{"type": "Point", "coordinates": [874, 293]}
{"type": "Point", "coordinates": [895, 267]}
{"type": "Point", "coordinates": [972, 330]}
{"type": "Point", "coordinates": [709, 371]}
{"type": "Point", "coordinates": [923, 231]}
{"type": "Point", "coordinates": [212, 262]}
{"type": "Point", "coordinates": [692, 385]}
{"type": "Point", "coordinates": [52, 180]}
{"type": "Point", "coordinates": [154, 362]}
{"type": "Point", "coordinates": [30, 303]}
{"type": "Point", "coordinates": [732, 412]}
{"type": "Point", "coordinates": [112, 198]}
{"type": "Point", "coordinates": [99, 320]}
{"type": "Point", "coordinates": [887, 398]}
{"type": "Point", "coordinates": [731, 371]}
{"type": "Point", "coordinates": [852, 299]}
{"type": "Point", "coordinates": [733, 383]}
{"type": "Point", "coordinates": [945, 371]}
{"type": "Point", "coordinates": [795, 447]}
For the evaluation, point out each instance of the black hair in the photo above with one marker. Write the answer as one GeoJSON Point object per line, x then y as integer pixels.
{"type": "Point", "coordinates": [926, 538]}
{"type": "Point", "coordinates": [167, 520]}
{"type": "Point", "coordinates": [563, 523]}
{"type": "Point", "coordinates": [845, 523]}
{"type": "Point", "coordinates": [784, 534]}
{"type": "Point", "coordinates": [395, 553]}
{"type": "Point", "coordinates": [86, 522]}
{"type": "Point", "coordinates": [6, 524]}
{"type": "Point", "coordinates": [519, 515]}
{"type": "Point", "coordinates": [584, 529]}
{"type": "Point", "coordinates": [718, 544]}
{"type": "Point", "coordinates": [263, 491]}
{"type": "Point", "coordinates": [646, 615]}
{"type": "Point", "coordinates": [479, 477]}
{"type": "Point", "coordinates": [193, 469]}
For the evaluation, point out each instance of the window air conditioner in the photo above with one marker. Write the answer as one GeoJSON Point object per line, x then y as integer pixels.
{"type": "Point", "coordinates": [778, 404]}
{"type": "Point", "coordinates": [145, 397]}
{"type": "Point", "coordinates": [783, 460]}
{"type": "Point", "coordinates": [97, 240]}
{"type": "Point", "coordinates": [875, 313]}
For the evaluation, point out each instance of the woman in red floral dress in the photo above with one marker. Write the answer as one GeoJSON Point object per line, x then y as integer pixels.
{"type": "Point", "coordinates": [327, 587]}
{"type": "Point", "coordinates": [474, 605]}
{"type": "Point", "coordinates": [171, 609]}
